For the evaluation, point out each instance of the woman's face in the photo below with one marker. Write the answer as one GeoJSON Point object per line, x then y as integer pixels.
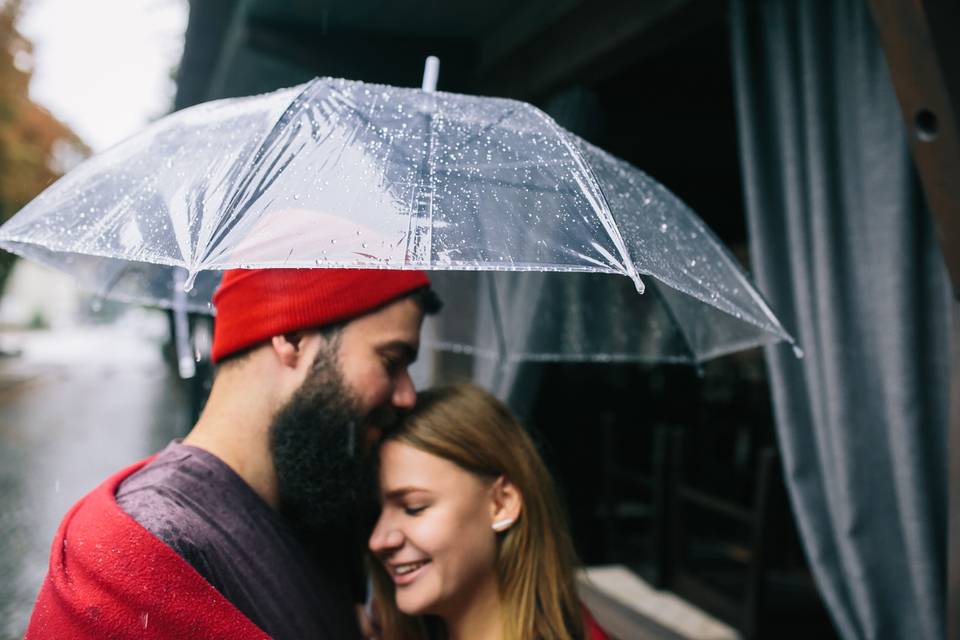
{"type": "Point", "coordinates": [434, 534]}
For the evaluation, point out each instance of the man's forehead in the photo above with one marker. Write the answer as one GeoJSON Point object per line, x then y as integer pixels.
{"type": "Point", "coordinates": [401, 314]}
{"type": "Point", "coordinates": [397, 322]}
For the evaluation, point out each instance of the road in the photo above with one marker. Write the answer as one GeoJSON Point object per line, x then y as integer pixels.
{"type": "Point", "coordinates": [74, 407]}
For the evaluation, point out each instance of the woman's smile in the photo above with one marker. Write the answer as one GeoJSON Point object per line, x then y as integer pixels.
{"type": "Point", "coordinates": [405, 573]}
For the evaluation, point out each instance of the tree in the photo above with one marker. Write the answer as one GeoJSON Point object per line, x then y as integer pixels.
{"type": "Point", "coordinates": [32, 141]}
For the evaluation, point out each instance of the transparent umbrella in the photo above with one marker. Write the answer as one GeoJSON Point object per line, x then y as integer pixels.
{"type": "Point", "coordinates": [338, 173]}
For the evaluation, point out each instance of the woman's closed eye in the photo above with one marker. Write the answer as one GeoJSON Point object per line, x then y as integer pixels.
{"type": "Point", "coordinates": [415, 510]}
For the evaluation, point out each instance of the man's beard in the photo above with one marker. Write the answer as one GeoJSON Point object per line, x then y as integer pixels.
{"type": "Point", "coordinates": [326, 485]}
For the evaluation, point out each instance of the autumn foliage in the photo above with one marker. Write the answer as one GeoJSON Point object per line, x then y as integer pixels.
{"type": "Point", "coordinates": [30, 137]}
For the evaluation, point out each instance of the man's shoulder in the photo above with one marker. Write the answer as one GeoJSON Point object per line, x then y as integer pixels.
{"type": "Point", "coordinates": [166, 497]}
{"type": "Point", "coordinates": [169, 498]}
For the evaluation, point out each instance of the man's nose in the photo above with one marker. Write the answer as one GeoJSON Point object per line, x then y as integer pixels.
{"type": "Point", "coordinates": [404, 393]}
{"type": "Point", "coordinates": [385, 538]}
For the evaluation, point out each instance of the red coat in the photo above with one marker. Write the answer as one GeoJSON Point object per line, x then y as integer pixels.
{"type": "Point", "coordinates": [111, 578]}
{"type": "Point", "coordinates": [594, 632]}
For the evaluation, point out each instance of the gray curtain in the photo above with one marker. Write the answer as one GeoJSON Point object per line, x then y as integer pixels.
{"type": "Point", "coordinates": [844, 249]}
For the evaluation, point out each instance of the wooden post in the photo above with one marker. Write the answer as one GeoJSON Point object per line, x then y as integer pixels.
{"type": "Point", "coordinates": [919, 39]}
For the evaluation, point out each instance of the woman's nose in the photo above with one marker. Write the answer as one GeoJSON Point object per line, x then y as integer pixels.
{"type": "Point", "coordinates": [385, 538]}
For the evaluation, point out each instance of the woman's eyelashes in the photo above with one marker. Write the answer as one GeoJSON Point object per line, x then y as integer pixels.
{"type": "Point", "coordinates": [414, 511]}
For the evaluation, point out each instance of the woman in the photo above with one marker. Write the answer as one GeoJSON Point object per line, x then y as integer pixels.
{"type": "Point", "coordinates": [471, 541]}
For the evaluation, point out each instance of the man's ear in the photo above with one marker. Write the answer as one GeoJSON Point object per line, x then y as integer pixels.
{"type": "Point", "coordinates": [506, 504]}
{"type": "Point", "coordinates": [288, 349]}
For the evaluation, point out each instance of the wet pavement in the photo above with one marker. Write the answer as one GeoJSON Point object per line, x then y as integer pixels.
{"type": "Point", "coordinates": [69, 417]}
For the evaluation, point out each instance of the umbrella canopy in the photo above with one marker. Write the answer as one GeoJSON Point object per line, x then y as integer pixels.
{"type": "Point", "coordinates": [336, 173]}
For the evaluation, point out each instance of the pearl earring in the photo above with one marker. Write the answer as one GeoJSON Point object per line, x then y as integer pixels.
{"type": "Point", "coordinates": [501, 525]}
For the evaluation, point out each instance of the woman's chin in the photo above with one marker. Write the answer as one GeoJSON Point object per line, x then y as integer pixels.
{"type": "Point", "coordinates": [414, 609]}
{"type": "Point", "coordinates": [411, 605]}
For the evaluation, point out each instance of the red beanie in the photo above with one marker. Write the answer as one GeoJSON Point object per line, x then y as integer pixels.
{"type": "Point", "coordinates": [256, 304]}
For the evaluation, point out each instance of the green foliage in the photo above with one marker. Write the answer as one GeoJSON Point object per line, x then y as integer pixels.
{"type": "Point", "coordinates": [29, 134]}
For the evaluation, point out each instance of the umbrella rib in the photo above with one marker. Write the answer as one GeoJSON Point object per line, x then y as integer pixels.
{"type": "Point", "coordinates": [679, 326]}
{"type": "Point", "coordinates": [497, 318]}
{"type": "Point", "coordinates": [424, 201]}
{"type": "Point", "coordinates": [218, 234]}
{"type": "Point", "coordinates": [605, 214]}
{"type": "Point", "coordinates": [259, 189]}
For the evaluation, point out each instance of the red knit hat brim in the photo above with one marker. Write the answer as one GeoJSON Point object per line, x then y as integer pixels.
{"type": "Point", "coordinates": [254, 305]}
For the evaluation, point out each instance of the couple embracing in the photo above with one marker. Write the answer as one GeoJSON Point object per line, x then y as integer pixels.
{"type": "Point", "coordinates": [313, 465]}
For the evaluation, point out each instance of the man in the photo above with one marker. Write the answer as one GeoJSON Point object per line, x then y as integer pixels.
{"type": "Point", "coordinates": [245, 528]}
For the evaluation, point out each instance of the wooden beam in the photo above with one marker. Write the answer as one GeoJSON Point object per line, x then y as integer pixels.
{"type": "Point", "coordinates": [590, 41]}
{"type": "Point", "coordinates": [387, 59]}
{"type": "Point", "coordinates": [919, 38]}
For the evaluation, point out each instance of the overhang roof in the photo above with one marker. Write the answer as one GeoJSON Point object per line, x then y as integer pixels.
{"type": "Point", "coordinates": [519, 48]}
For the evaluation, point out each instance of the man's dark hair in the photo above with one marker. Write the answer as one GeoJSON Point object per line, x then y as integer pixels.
{"type": "Point", "coordinates": [427, 299]}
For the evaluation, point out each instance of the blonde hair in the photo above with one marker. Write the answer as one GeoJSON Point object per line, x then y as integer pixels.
{"type": "Point", "coordinates": [535, 557]}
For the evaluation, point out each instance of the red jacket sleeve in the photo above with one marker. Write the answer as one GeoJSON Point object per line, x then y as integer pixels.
{"type": "Point", "coordinates": [594, 632]}
{"type": "Point", "coordinates": [111, 578]}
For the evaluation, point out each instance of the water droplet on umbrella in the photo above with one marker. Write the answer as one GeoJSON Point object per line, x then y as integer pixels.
{"type": "Point", "coordinates": [663, 228]}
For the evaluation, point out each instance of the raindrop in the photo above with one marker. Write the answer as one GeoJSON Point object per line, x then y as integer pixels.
{"type": "Point", "coordinates": [663, 228]}
{"type": "Point", "coordinates": [797, 351]}
{"type": "Point", "coordinates": [693, 263]}
{"type": "Point", "coordinates": [296, 196]}
{"type": "Point", "coordinates": [333, 241]}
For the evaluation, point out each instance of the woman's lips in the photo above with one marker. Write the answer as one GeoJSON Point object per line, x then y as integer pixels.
{"type": "Point", "coordinates": [407, 572]}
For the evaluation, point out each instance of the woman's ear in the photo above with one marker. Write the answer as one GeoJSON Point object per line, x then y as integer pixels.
{"type": "Point", "coordinates": [506, 504]}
